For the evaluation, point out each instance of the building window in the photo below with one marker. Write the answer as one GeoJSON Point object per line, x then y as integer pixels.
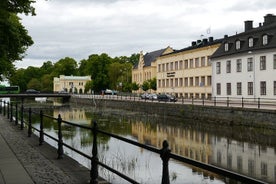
{"type": "Point", "coordinates": [218, 89]}
{"type": "Point", "coordinates": [238, 44]}
{"type": "Point", "coordinates": [228, 66]}
{"type": "Point", "coordinates": [228, 88]}
{"type": "Point", "coordinates": [250, 88]}
{"type": "Point", "coordinates": [239, 65]}
{"type": "Point", "coordinates": [163, 67]}
{"type": "Point", "coordinates": [176, 65]}
{"type": "Point", "coordinates": [171, 66]}
{"type": "Point", "coordinates": [159, 68]}
{"type": "Point", "coordinates": [250, 42]}
{"type": "Point", "coordinates": [191, 63]}
{"type": "Point", "coordinates": [186, 81]}
{"type": "Point", "coordinates": [274, 87]}
{"type": "Point", "coordinates": [202, 61]}
{"type": "Point", "coordinates": [202, 83]}
{"type": "Point", "coordinates": [218, 68]}
{"type": "Point", "coordinates": [176, 82]}
{"type": "Point", "coordinates": [263, 169]}
{"type": "Point", "coordinates": [180, 82]}
{"type": "Point", "coordinates": [209, 80]}
{"type": "Point", "coordinates": [167, 66]}
{"type": "Point", "coordinates": [263, 87]}
{"type": "Point", "coordinates": [191, 81]}
{"type": "Point", "coordinates": [262, 62]}
{"type": "Point", "coordinates": [239, 88]}
{"type": "Point", "coordinates": [196, 81]}
{"type": "Point", "coordinates": [265, 39]}
{"type": "Point", "coordinates": [196, 62]}
{"type": "Point", "coordinates": [239, 163]}
{"type": "Point", "coordinates": [181, 65]}
{"type": "Point", "coordinates": [186, 64]}
{"type": "Point", "coordinates": [226, 47]}
{"type": "Point", "coordinates": [249, 64]}
{"type": "Point", "coordinates": [209, 61]}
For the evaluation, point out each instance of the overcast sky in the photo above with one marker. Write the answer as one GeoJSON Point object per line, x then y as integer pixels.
{"type": "Point", "coordinates": [79, 28]}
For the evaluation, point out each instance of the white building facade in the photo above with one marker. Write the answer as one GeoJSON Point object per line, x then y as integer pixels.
{"type": "Point", "coordinates": [245, 64]}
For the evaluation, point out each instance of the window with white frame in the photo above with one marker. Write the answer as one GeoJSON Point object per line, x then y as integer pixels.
{"type": "Point", "coordinates": [262, 62]}
{"type": "Point", "coordinates": [250, 64]}
{"type": "Point", "coordinates": [218, 68]}
{"type": "Point", "coordinates": [238, 44]}
{"type": "Point", "coordinates": [250, 42]}
{"type": "Point", "coordinates": [263, 87]}
{"type": "Point", "coordinates": [239, 88]}
{"type": "Point", "coordinates": [226, 47]}
{"type": "Point", "coordinates": [239, 65]}
{"type": "Point", "coordinates": [250, 88]}
{"type": "Point", "coordinates": [228, 88]}
{"type": "Point", "coordinates": [228, 66]}
{"type": "Point", "coordinates": [265, 39]}
{"type": "Point", "coordinates": [218, 89]}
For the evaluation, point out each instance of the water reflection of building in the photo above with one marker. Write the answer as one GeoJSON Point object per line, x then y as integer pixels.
{"type": "Point", "coordinates": [249, 159]}
{"type": "Point", "coordinates": [186, 142]}
{"type": "Point", "coordinates": [73, 115]}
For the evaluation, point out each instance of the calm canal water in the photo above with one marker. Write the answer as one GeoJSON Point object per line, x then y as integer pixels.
{"type": "Point", "coordinates": [244, 150]}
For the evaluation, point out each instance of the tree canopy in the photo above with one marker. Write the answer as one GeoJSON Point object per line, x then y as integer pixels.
{"type": "Point", "coordinates": [14, 38]}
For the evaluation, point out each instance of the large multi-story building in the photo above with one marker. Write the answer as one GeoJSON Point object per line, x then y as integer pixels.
{"type": "Point", "coordinates": [75, 84]}
{"type": "Point", "coordinates": [245, 64]}
{"type": "Point", "coordinates": [187, 72]}
{"type": "Point", "coordinates": [146, 67]}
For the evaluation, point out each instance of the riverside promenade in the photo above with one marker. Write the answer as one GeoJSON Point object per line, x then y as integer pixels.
{"type": "Point", "coordinates": [23, 161]}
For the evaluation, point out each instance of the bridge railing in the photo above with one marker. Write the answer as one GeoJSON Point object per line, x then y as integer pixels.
{"type": "Point", "coordinates": [12, 111]}
{"type": "Point", "coordinates": [242, 102]}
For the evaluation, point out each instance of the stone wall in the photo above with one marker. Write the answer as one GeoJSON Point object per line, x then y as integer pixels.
{"type": "Point", "coordinates": [208, 114]}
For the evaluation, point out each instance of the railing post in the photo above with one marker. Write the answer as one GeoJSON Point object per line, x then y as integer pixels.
{"type": "Point", "coordinates": [215, 101]}
{"type": "Point", "coordinates": [41, 132]}
{"type": "Point", "coordinates": [242, 102]}
{"type": "Point", "coordinates": [203, 101]}
{"type": "Point", "coordinates": [259, 104]}
{"type": "Point", "coordinates": [22, 118]}
{"type": "Point", "coordinates": [8, 110]}
{"type": "Point", "coordinates": [1, 103]}
{"type": "Point", "coordinates": [30, 123]}
{"type": "Point", "coordinates": [182, 99]}
{"type": "Point", "coordinates": [16, 113]}
{"type": "Point", "coordinates": [60, 142]}
{"type": "Point", "coordinates": [95, 159]}
{"type": "Point", "coordinates": [165, 156]}
{"type": "Point", "coordinates": [11, 114]}
{"type": "Point", "coordinates": [4, 108]}
{"type": "Point", "coordinates": [192, 100]}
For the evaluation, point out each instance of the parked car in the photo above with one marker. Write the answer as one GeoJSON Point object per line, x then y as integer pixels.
{"type": "Point", "coordinates": [166, 98]}
{"type": "Point", "coordinates": [145, 96]}
{"type": "Point", "coordinates": [32, 91]}
{"type": "Point", "coordinates": [110, 92]}
{"type": "Point", "coordinates": [153, 96]}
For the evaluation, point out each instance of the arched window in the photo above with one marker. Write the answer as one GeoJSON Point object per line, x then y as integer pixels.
{"type": "Point", "coordinates": [250, 42]}
{"type": "Point", "coordinates": [265, 39]}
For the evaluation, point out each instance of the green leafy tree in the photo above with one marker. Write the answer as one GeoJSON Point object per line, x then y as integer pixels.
{"type": "Point", "coordinates": [145, 86]}
{"type": "Point", "coordinates": [88, 86]}
{"type": "Point", "coordinates": [34, 84]}
{"type": "Point", "coordinates": [14, 38]}
{"type": "Point", "coordinates": [47, 83]}
{"type": "Point", "coordinates": [134, 59]}
{"type": "Point", "coordinates": [66, 66]}
{"type": "Point", "coordinates": [19, 78]}
{"type": "Point", "coordinates": [152, 84]}
{"type": "Point", "coordinates": [135, 86]}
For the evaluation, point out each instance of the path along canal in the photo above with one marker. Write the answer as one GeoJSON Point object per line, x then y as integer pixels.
{"type": "Point", "coordinates": [248, 151]}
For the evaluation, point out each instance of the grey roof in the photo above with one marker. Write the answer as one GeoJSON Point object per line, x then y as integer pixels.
{"type": "Point", "coordinates": [151, 57]}
{"type": "Point", "coordinates": [255, 33]}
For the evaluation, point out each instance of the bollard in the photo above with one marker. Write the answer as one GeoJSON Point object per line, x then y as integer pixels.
{"type": "Point", "coordinates": [165, 156]}
{"type": "Point", "coordinates": [227, 102]}
{"type": "Point", "coordinates": [215, 101]}
{"type": "Point", "coordinates": [242, 102]}
{"type": "Point", "coordinates": [30, 123]}
{"type": "Point", "coordinates": [8, 110]}
{"type": "Point", "coordinates": [259, 104]}
{"type": "Point", "coordinates": [60, 142]}
{"type": "Point", "coordinates": [95, 159]}
{"type": "Point", "coordinates": [1, 103]}
{"type": "Point", "coordinates": [41, 132]}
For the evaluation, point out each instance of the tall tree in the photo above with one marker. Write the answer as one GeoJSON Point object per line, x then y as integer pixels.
{"type": "Point", "coordinates": [14, 38]}
{"type": "Point", "coordinates": [65, 66]}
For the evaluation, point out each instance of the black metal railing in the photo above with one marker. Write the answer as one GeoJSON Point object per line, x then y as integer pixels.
{"type": "Point", "coordinates": [164, 152]}
{"type": "Point", "coordinates": [257, 103]}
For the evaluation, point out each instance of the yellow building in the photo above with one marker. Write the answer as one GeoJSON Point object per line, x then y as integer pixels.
{"type": "Point", "coordinates": [70, 84]}
{"type": "Point", "coordinates": [187, 72]}
{"type": "Point", "coordinates": [146, 67]}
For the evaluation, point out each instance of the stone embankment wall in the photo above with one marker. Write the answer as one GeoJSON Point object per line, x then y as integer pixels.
{"type": "Point", "coordinates": [209, 114]}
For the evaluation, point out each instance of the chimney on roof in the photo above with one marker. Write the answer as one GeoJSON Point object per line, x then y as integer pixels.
{"type": "Point", "coordinates": [205, 41]}
{"type": "Point", "coordinates": [248, 25]}
{"type": "Point", "coordinates": [211, 39]}
{"type": "Point", "coordinates": [269, 18]}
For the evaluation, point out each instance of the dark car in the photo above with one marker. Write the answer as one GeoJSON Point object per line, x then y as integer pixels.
{"type": "Point", "coordinates": [32, 91]}
{"type": "Point", "coordinates": [166, 98]}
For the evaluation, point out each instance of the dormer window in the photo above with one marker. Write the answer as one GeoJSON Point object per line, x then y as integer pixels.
{"type": "Point", "coordinates": [226, 47]}
{"type": "Point", "coordinates": [250, 42]}
{"type": "Point", "coordinates": [238, 44]}
{"type": "Point", "coordinates": [265, 39]}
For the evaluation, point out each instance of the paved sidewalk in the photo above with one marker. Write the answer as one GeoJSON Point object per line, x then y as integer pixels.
{"type": "Point", "coordinates": [22, 160]}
